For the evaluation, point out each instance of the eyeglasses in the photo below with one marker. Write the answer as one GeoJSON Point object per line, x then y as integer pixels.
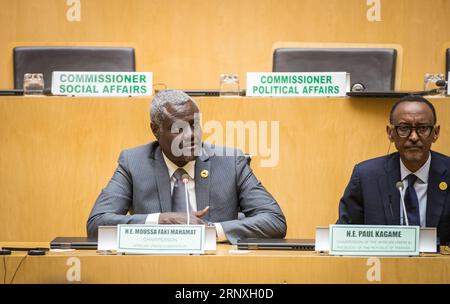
{"type": "Point", "coordinates": [404, 131]}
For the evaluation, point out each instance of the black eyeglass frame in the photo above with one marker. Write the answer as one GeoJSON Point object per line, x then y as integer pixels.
{"type": "Point", "coordinates": [426, 128]}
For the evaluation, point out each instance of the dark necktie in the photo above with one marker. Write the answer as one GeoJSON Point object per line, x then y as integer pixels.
{"type": "Point", "coordinates": [412, 202]}
{"type": "Point", "coordinates": [178, 193]}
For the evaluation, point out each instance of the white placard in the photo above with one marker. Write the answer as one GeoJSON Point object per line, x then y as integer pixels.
{"type": "Point", "coordinates": [374, 240]}
{"type": "Point", "coordinates": [427, 239]}
{"type": "Point", "coordinates": [297, 84]}
{"type": "Point", "coordinates": [102, 83]}
{"type": "Point", "coordinates": [161, 239]}
{"type": "Point", "coordinates": [107, 238]}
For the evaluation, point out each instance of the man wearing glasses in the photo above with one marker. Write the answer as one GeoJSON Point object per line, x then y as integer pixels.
{"type": "Point", "coordinates": [373, 194]}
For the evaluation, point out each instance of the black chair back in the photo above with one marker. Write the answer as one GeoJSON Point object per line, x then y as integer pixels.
{"type": "Point", "coordinates": [48, 59]}
{"type": "Point", "coordinates": [372, 67]}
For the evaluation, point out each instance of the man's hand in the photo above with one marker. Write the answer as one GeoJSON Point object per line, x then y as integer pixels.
{"type": "Point", "coordinates": [181, 218]}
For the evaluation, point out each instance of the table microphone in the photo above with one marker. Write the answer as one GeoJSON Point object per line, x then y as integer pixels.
{"type": "Point", "coordinates": [358, 87]}
{"type": "Point", "coordinates": [185, 180]}
{"type": "Point", "coordinates": [441, 83]}
{"type": "Point", "coordinates": [399, 185]}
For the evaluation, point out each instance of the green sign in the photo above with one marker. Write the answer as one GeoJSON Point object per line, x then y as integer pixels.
{"type": "Point", "coordinates": [297, 84]}
{"type": "Point", "coordinates": [374, 240]}
{"type": "Point", "coordinates": [102, 83]}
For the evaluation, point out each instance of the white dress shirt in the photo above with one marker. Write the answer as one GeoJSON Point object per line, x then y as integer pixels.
{"type": "Point", "coordinates": [153, 218]}
{"type": "Point", "coordinates": [420, 186]}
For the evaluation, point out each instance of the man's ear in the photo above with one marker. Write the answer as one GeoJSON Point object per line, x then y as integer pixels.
{"type": "Point", "coordinates": [389, 132]}
{"type": "Point", "coordinates": [155, 130]}
{"type": "Point", "coordinates": [437, 129]}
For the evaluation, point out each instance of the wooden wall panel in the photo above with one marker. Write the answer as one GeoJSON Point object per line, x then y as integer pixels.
{"type": "Point", "coordinates": [58, 153]}
{"type": "Point", "coordinates": [188, 44]}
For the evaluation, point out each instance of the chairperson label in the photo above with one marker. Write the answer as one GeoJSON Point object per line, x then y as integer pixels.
{"type": "Point", "coordinates": [161, 239]}
{"type": "Point", "coordinates": [102, 83]}
{"type": "Point", "coordinates": [297, 84]}
{"type": "Point", "coordinates": [374, 240]}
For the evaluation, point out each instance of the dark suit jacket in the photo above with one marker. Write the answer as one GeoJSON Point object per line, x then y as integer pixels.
{"type": "Point", "coordinates": [372, 198]}
{"type": "Point", "coordinates": [141, 185]}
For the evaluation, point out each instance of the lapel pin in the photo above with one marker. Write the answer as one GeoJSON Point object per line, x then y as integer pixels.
{"type": "Point", "coordinates": [443, 186]}
{"type": "Point", "coordinates": [205, 174]}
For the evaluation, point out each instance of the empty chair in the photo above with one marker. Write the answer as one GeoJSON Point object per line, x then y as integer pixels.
{"type": "Point", "coordinates": [372, 67]}
{"type": "Point", "coordinates": [48, 59]}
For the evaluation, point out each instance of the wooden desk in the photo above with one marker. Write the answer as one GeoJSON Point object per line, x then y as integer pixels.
{"type": "Point", "coordinates": [227, 265]}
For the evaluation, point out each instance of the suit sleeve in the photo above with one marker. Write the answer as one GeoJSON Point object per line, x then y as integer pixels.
{"type": "Point", "coordinates": [263, 216]}
{"type": "Point", "coordinates": [351, 205]}
{"type": "Point", "coordinates": [115, 201]}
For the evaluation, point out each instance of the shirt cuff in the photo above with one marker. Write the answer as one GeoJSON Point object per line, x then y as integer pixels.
{"type": "Point", "coordinates": [220, 234]}
{"type": "Point", "coordinates": [152, 219]}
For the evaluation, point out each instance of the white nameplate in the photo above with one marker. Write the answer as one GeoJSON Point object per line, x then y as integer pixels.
{"type": "Point", "coordinates": [427, 239]}
{"type": "Point", "coordinates": [161, 239]}
{"type": "Point", "coordinates": [374, 240]}
{"type": "Point", "coordinates": [102, 83]}
{"type": "Point", "coordinates": [297, 84]}
{"type": "Point", "coordinates": [107, 238]}
{"type": "Point", "coordinates": [448, 87]}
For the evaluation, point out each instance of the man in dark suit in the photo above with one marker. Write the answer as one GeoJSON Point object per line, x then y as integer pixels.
{"type": "Point", "coordinates": [373, 193]}
{"type": "Point", "coordinates": [149, 184]}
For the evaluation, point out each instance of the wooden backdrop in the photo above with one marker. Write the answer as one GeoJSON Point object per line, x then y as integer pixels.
{"type": "Point", "coordinates": [58, 153]}
{"type": "Point", "coordinates": [189, 43]}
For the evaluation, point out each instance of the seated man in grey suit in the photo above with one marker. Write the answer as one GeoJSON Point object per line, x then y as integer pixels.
{"type": "Point", "coordinates": [148, 184]}
{"type": "Point", "coordinates": [372, 195]}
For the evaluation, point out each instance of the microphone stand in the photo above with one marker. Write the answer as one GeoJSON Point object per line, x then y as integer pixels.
{"type": "Point", "coordinates": [400, 187]}
{"type": "Point", "coordinates": [185, 182]}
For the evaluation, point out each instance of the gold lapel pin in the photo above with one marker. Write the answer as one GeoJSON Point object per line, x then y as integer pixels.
{"type": "Point", "coordinates": [204, 173]}
{"type": "Point", "coordinates": [443, 186]}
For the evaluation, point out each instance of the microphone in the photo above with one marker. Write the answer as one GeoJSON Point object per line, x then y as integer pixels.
{"type": "Point", "coordinates": [358, 87]}
{"type": "Point", "coordinates": [185, 180]}
{"type": "Point", "coordinates": [399, 185]}
{"type": "Point", "coordinates": [441, 83]}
